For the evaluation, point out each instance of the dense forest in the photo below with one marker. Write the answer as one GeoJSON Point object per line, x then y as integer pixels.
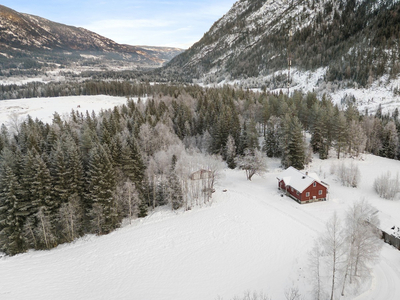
{"type": "Point", "coordinates": [87, 173]}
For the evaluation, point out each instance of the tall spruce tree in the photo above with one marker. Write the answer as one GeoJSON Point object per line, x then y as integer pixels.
{"type": "Point", "coordinates": [175, 194]}
{"type": "Point", "coordinates": [100, 188]}
{"type": "Point", "coordinates": [11, 218]}
{"type": "Point", "coordinates": [293, 143]}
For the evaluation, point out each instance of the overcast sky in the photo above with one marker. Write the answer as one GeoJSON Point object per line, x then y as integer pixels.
{"type": "Point", "coordinates": [175, 23]}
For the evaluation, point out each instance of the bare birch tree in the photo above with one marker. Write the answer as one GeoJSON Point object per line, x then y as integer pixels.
{"type": "Point", "coordinates": [333, 243]}
{"type": "Point", "coordinates": [362, 242]}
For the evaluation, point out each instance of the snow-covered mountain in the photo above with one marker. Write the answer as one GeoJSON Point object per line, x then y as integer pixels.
{"type": "Point", "coordinates": [354, 40]}
{"type": "Point", "coordinates": [31, 40]}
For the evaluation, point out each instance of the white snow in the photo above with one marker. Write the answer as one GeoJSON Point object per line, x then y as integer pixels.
{"type": "Point", "coordinates": [248, 239]}
{"type": "Point", "coordinates": [44, 108]}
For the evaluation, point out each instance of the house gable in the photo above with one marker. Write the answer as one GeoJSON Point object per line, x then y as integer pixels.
{"type": "Point", "coordinates": [302, 187]}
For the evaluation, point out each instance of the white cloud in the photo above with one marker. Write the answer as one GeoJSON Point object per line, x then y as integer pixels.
{"type": "Point", "coordinates": [131, 24]}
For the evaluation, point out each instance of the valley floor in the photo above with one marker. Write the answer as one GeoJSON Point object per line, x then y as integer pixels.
{"type": "Point", "coordinates": [248, 239]}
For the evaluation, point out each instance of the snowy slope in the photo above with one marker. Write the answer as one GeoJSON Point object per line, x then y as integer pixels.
{"type": "Point", "coordinates": [249, 238]}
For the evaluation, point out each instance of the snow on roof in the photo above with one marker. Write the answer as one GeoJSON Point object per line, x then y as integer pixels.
{"type": "Point", "coordinates": [297, 179]}
{"type": "Point", "coordinates": [387, 223]}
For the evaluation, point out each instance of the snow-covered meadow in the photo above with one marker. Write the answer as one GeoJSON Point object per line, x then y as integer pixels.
{"type": "Point", "coordinates": [44, 108]}
{"type": "Point", "coordinates": [248, 239]}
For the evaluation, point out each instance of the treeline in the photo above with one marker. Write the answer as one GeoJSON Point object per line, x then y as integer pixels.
{"type": "Point", "coordinates": [56, 89]}
{"type": "Point", "coordinates": [86, 173]}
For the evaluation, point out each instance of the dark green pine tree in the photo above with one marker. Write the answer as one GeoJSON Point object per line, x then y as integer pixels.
{"type": "Point", "coordinates": [296, 145]}
{"type": "Point", "coordinates": [36, 183]}
{"type": "Point", "coordinates": [292, 143]}
{"type": "Point", "coordinates": [340, 129]}
{"type": "Point", "coordinates": [74, 164]}
{"type": "Point", "coordinates": [243, 140]}
{"type": "Point", "coordinates": [11, 217]}
{"type": "Point", "coordinates": [41, 187]}
{"type": "Point", "coordinates": [133, 165]}
{"type": "Point", "coordinates": [271, 142]}
{"type": "Point", "coordinates": [161, 194]}
{"type": "Point", "coordinates": [60, 173]}
{"type": "Point", "coordinates": [175, 193]}
{"type": "Point", "coordinates": [100, 188]}
{"type": "Point", "coordinates": [134, 168]}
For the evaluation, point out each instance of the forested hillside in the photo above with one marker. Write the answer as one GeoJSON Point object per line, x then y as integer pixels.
{"type": "Point", "coordinates": [84, 174]}
{"type": "Point", "coordinates": [357, 40]}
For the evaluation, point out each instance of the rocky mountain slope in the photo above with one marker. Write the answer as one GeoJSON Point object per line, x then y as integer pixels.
{"type": "Point", "coordinates": [353, 40]}
{"type": "Point", "coordinates": [34, 41]}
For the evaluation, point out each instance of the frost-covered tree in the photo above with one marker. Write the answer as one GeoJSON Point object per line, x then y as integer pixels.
{"type": "Point", "coordinates": [356, 138]}
{"type": "Point", "coordinates": [386, 186]}
{"type": "Point", "coordinates": [253, 162]}
{"type": "Point", "coordinates": [44, 230]}
{"type": "Point", "coordinates": [70, 218]}
{"type": "Point", "coordinates": [333, 245]}
{"type": "Point", "coordinates": [348, 174]}
{"type": "Point", "coordinates": [362, 242]}
{"type": "Point", "coordinates": [230, 152]}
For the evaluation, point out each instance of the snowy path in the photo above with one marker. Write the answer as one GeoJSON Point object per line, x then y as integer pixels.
{"type": "Point", "coordinates": [386, 274]}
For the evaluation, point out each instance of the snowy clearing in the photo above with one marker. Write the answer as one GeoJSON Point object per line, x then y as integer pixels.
{"type": "Point", "coordinates": [44, 108]}
{"type": "Point", "coordinates": [249, 238]}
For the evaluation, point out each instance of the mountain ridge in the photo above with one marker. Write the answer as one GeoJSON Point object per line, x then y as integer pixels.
{"type": "Point", "coordinates": [350, 38]}
{"type": "Point", "coordinates": [36, 38]}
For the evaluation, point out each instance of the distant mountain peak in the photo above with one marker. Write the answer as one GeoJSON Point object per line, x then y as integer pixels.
{"type": "Point", "coordinates": [36, 38]}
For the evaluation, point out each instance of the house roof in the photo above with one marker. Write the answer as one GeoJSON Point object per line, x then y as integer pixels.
{"type": "Point", "coordinates": [387, 223]}
{"type": "Point", "coordinates": [297, 179]}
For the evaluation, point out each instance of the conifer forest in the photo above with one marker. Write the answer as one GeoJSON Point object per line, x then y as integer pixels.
{"type": "Point", "coordinates": [89, 172]}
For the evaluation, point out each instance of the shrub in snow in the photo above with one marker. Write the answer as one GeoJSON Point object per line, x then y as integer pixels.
{"type": "Point", "coordinates": [349, 175]}
{"type": "Point", "coordinates": [387, 187]}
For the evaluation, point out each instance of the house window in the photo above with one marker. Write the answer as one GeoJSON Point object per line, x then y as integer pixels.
{"type": "Point", "coordinates": [314, 184]}
{"type": "Point", "coordinates": [308, 194]}
{"type": "Point", "coordinates": [297, 192]}
{"type": "Point", "coordinates": [292, 189]}
{"type": "Point", "coordinates": [320, 192]}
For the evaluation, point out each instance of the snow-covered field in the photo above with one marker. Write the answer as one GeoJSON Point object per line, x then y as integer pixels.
{"type": "Point", "coordinates": [248, 239]}
{"type": "Point", "coordinates": [43, 108]}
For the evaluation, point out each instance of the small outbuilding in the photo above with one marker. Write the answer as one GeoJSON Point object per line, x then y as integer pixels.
{"type": "Point", "coordinates": [302, 187]}
{"type": "Point", "coordinates": [389, 229]}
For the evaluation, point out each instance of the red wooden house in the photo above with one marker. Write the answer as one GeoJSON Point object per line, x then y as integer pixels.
{"type": "Point", "coordinates": [302, 187]}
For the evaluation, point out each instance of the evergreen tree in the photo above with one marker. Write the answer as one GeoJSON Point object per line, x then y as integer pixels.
{"type": "Point", "coordinates": [293, 143]}
{"type": "Point", "coordinates": [11, 218]}
{"type": "Point", "coordinates": [230, 152]}
{"type": "Point", "coordinates": [271, 139]}
{"type": "Point", "coordinates": [60, 173]}
{"type": "Point", "coordinates": [390, 141]}
{"type": "Point", "coordinates": [100, 186]}
{"type": "Point", "coordinates": [175, 194]}
{"type": "Point", "coordinates": [340, 133]}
